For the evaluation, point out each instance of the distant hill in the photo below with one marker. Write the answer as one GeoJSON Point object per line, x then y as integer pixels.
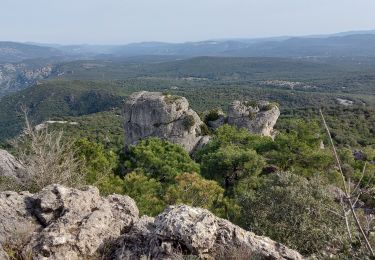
{"type": "Point", "coordinates": [339, 46]}
{"type": "Point", "coordinates": [16, 52]}
{"type": "Point", "coordinates": [349, 44]}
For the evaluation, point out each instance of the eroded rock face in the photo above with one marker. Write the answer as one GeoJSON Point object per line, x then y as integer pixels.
{"type": "Point", "coordinates": [66, 223]}
{"type": "Point", "coordinates": [257, 117]}
{"type": "Point", "coordinates": [16, 220]}
{"type": "Point", "coordinates": [195, 231]}
{"type": "Point", "coordinates": [165, 116]}
{"type": "Point", "coordinates": [10, 167]}
{"type": "Point", "coordinates": [78, 222]}
{"type": "Point", "coordinates": [17, 76]}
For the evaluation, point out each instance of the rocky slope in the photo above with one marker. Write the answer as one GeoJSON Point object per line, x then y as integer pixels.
{"type": "Point", "coordinates": [65, 223]}
{"type": "Point", "coordinates": [17, 76]}
{"type": "Point", "coordinates": [10, 167]}
{"type": "Point", "coordinates": [164, 116]}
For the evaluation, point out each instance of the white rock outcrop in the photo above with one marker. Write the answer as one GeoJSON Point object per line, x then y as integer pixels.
{"type": "Point", "coordinates": [195, 231]}
{"type": "Point", "coordinates": [256, 117]}
{"type": "Point", "coordinates": [65, 223]}
{"type": "Point", "coordinates": [154, 114]}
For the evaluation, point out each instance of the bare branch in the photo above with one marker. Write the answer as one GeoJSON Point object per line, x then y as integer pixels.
{"type": "Point", "coordinates": [346, 189]}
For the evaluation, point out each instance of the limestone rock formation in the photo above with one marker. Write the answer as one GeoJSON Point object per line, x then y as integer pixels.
{"type": "Point", "coordinates": [16, 220]}
{"type": "Point", "coordinates": [257, 117]}
{"type": "Point", "coordinates": [195, 231]}
{"type": "Point", "coordinates": [160, 115]}
{"type": "Point", "coordinates": [66, 223]}
{"type": "Point", "coordinates": [17, 76]}
{"type": "Point", "coordinates": [10, 167]}
{"type": "Point", "coordinates": [78, 222]}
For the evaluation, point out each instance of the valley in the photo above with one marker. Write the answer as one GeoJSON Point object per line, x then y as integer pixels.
{"type": "Point", "coordinates": [233, 129]}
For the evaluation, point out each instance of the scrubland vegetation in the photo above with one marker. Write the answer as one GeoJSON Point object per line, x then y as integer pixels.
{"type": "Point", "coordinates": [290, 188]}
{"type": "Point", "coordinates": [287, 188]}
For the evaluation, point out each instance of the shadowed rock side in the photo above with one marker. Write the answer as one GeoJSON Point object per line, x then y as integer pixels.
{"type": "Point", "coordinates": [10, 167]}
{"type": "Point", "coordinates": [66, 223]}
{"type": "Point", "coordinates": [165, 116]}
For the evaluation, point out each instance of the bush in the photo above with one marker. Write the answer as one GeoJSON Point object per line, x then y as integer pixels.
{"type": "Point", "coordinates": [212, 115]}
{"type": "Point", "coordinates": [48, 159]}
{"type": "Point", "coordinates": [160, 159]}
{"type": "Point", "coordinates": [193, 190]}
{"type": "Point", "coordinates": [294, 211]}
{"type": "Point", "coordinates": [204, 129]}
{"type": "Point", "coordinates": [189, 122]}
{"type": "Point", "coordinates": [231, 164]}
{"type": "Point", "coordinates": [170, 99]}
{"type": "Point", "coordinates": [146, 192]}
{"type": "Point", "coordinates": [98, 163]}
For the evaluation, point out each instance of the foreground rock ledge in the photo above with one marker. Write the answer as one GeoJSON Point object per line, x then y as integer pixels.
{"type": "Point", "coordinates": [66, 223]}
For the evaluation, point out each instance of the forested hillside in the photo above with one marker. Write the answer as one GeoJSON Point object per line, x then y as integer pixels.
{"type": "Point", "coordinates": [288, 185]}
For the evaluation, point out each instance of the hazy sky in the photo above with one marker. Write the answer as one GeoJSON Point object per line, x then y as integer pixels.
{"type": "Point", "coordinates": [124, 21]}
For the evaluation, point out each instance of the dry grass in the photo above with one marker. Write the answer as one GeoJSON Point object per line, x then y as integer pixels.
{"type": "Point", "coordinates": [47, 158]}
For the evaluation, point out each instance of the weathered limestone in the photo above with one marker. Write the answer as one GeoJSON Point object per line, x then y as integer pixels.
{"type": "Point", "coordinates": [66, 223]}
{"type": "Point", "coordinates": [165, 116]}
{"type": "Point", "coordinates": [16, 220]}
{"type": "Point", "coordinates": [154, 114]}
{"type": "Point", "coordinates": [257, 117]}
{"type": "Point", "coordinates": [78, 223]}
{"type": "Point", "coordinates": [195, 231]}
{"type": "Point", "coordinates": [10, 167]}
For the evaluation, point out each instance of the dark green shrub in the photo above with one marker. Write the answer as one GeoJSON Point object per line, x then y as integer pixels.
{"type": "Point", "coordinates": [294, 211]}
{"type": "Point", "coordinates": [212, 115]}
{"type": "Point", "coordinates": [189, 122]}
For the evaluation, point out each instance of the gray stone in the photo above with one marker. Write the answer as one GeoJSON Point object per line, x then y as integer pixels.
{"type": "Point", "coordinates": [66, 223]}
{"type": "Point", "coordinates": [16, 220]}
{"type": "Point", "coordinates": [256, 117]}
{"type": "Point", "coordinates": [195, 231]}
{"type": "Point", "coordinates": [78, 222]}
{"type": "Point", "coordinates": [10, 167]}
{"type": "Point", "coordinates": [154, 114]}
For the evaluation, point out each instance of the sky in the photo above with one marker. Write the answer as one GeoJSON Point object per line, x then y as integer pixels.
{"type": "Point", "coordinates": [126, 21]}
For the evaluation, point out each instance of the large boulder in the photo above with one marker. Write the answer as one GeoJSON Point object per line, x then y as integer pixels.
{"type": "Point", "coordinates": [161, 115]}
{"type": "Point", "coordinates": [10, 167]}
{"type": "Point", "coordinates": [78, 222]}
{"type": "Point", "coordinates": [183, 230]}
{"type": "Point", "coordinates": [17, 223]}
{"type": "Point", "coordinates": [63, 223]}
{"type": "Point", "coordinates": [256, 117]}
